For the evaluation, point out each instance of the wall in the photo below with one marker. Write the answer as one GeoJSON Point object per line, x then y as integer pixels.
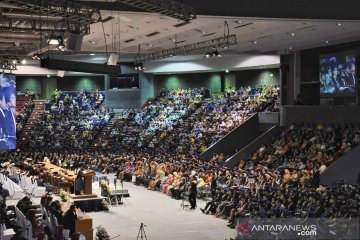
{"type": "Point", "coordinates": [123, 98]}
{"type": "Point", "coordinates": [347, 168]}
{"type": "Point", "coordinates": [211, 81]}
{"type": "Point", "coordinates": [236, 62]}
{"type": "Point", "coordinates": [236, 139]}
{"type": "Point", "coordinates": [252, 147]}
{"type": "Point", "coordinates": [315, 114]}
{"type": "Point", "coordinates": [256, 77]}
{"type": "Point", "coordinates": [44, 86]}
{"type": "Point", "coordinates": [72, 83]}
{"type": "Point", "coordinates": [29, 82]}
{"type": "Point", "coordinates": [146, 87]}
{"type": "Point", "coordinates": [48, 86]}
{"type": "Point", "coordinates": [307, 77]}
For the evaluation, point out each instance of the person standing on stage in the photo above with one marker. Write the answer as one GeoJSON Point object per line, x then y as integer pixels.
{"type": "Point", "coordinates": [192, 192]}
{"type": "Point", "coordinates": [79, 182]}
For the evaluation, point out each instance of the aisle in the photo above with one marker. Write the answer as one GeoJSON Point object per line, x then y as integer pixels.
{"type": "Point", "coordinates": [163, 217]}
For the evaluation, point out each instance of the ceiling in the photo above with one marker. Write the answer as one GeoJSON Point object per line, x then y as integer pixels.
{"type": "Point", "coordinates": [155, 32]}
{"type": "Point", "coordinates": [125, 31]}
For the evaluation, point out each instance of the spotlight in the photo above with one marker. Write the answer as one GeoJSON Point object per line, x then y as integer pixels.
{"type": "Point", "coordinates": [61, 46]}
{"type": "Point", "coordinates": [53, 40]}
{"type": "Point", "coordinates": [216, 53]}
{"type": "Point", "coordinates": [208, 54]}
{"type": "Point", "coordinates": [36, 56]}
{"type": "Point", "coordinates": [139, 67]}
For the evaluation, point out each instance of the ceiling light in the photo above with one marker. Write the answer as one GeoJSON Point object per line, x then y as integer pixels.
{"type": "Point", "coordinates": [339, 24]}
{"type": "Point", "coordinates": [53, 40]}
{"type": "Point", "coordinates": [61, 46]}
{"type": "Point", "coordinates": [326, 41]}
{"type": "Point", "coordinates": [92, 54]}
{"type": "Point", "coordinates": [255, 42]}
{"type": "Point", "coordinates": [227, 70]}
{"type": "Point", "coordinates": [208, 54]}
{"type": "Point", "coordinates": [291, 34]}
{"type": "Point", "coordinates": [23, 61]}
{"type": "Point", "coordinates": [291, 48]}
{"type": "Point", "coordinates": [216, 53]}
{"type": "Point", "coordinates": [14, 61]}
{"type": "Point", "coordinates": [36, 56]}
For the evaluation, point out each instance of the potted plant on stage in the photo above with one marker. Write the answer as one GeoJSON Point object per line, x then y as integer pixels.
{"type": "Point", "coordinates": [64, 196]}
{"type": "Point", "coordinates": [101, 234]}
{"type": "Point", "coordinates": [105, 188]}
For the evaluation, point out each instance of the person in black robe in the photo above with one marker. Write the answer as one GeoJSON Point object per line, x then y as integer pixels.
{"type": "Point", "coordinates": [69, 219]}
{"type": "Point", "coordinates": [79, 182]}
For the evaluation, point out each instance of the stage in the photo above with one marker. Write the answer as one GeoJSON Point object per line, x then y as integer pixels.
{"type": "Point", "coordinates": [89, 204]}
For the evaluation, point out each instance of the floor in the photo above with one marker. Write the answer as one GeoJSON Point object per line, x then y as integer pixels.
{"type": "Point", "coordinates": [163, 217]}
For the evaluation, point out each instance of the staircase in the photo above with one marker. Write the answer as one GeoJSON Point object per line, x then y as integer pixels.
{"type": "Point", "coordinates": [34, 118]}
{"type": "Point", "coordinates": [103, 133]}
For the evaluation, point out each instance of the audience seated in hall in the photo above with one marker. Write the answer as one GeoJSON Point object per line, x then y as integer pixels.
{"type": "Point", "coordinates": [69, 121]}
{"type": "Point", "coordinates": [24, 108]}
{"type": "Point", "coordinates": [267, 183]}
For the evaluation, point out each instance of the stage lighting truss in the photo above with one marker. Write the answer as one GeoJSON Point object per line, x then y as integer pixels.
{"type": "Point", "coordinates": [70, 10]}
{"type": "Point", "coordinates": [221, 42]}
{"type": "Point", "coordinates": [7, 64]}
{"type": "Point", "coordinates": [170, 8]}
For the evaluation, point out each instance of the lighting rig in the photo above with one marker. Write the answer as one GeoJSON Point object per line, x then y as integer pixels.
{"type": "Point", "coordinates": [170, 8]}
{"type": "Point", "coordinates": [221, 42]}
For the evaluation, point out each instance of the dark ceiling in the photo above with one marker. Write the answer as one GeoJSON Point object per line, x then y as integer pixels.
{"type": "Point", "coordinates": [294, 9]}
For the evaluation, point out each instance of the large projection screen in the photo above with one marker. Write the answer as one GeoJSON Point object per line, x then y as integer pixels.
{"type": "Point", "coordinates": [7, 111]}
{"type": "Point", "coordinates": [338, 75]}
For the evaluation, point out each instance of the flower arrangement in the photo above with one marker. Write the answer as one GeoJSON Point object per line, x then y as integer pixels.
{"type": "Point", "coordinates": [105, 188]}
{"type": "Point", "coordinates": [105, 205]}
{"type": "Point", "coordinates": [101, 234]}
{"type": "Point", "coordinates": [64, 196]}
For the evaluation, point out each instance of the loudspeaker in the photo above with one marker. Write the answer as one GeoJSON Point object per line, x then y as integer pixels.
{"type": "Point", "coordinates": [285, 67]}
{"type": "Point", "coordinates": [74, 41]}
{"type": "Point", "coordinates": [60, 73]}
{"type": "Point", "coordinates": [113, 58]}
{"type": "Point", "coordinates": [72, 66]}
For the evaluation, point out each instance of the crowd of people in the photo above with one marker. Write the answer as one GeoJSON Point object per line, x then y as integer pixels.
{"type": "Point", "coordinates": [69, 121]}
{"type": "Point", "coordinates": [158, 147]}
{"type": "Point", "coordinates": [281, 179]}
{"type": "Point", "coordinates": [186, 119]}
{"type": "Point", "coordinates": [138, 128]}
{"type": "Point", "coordinates": [23, 114]}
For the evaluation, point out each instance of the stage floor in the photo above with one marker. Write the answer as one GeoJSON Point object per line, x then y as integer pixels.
{"type": "Point", "coordinates": [164, 217]}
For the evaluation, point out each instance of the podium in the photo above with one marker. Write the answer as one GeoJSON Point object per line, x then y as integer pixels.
{"type": "Point", "coordinates": [88, 177]}
{"type": "Point", "coordinates": [85, 227]}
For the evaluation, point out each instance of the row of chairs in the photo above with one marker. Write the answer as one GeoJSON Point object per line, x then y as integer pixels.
{"type": "Point", "coordinates": [15, 190]}
{"type": "Point", "coordinates": [29, 185]}
{"type": "Point", "coordinates": [25, 224]}
{"type": "Point", "coordinates": [52, 222]}
{"type": "Point", "coordinates": [6, 234]}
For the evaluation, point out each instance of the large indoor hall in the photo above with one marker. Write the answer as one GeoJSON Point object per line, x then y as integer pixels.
{"type": "Point", "coordinates": [179, 119]}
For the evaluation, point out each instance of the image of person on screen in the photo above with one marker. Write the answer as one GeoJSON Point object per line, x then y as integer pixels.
{"type": "Point", "coordinates": [7, 112]}
{"type": "Point", "coordinates": [349, 75]}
